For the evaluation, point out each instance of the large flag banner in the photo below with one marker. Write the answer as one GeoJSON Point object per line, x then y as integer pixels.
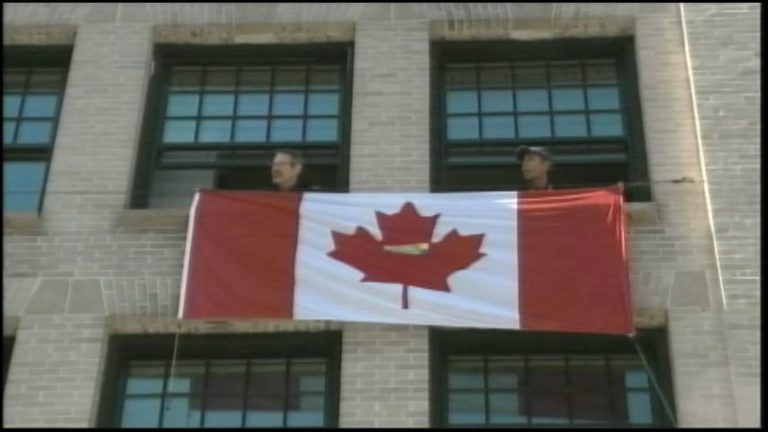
{"type": "Point", "coordinates": [553, 260]}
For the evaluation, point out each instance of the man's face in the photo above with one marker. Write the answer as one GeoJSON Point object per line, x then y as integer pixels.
{"type": "Point", "coordinates": [284, 170]}
{"type": "Point", "coordinates": [534, 166]}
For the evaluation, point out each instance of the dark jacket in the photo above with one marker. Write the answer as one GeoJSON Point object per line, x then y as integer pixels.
{"type": "Point", "coordinates": [301, 186]}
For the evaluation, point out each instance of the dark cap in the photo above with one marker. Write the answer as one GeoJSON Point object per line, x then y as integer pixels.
{"type": "Point", "coordinates": [522, 150]}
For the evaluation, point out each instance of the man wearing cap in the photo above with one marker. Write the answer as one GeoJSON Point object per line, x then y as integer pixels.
{"type": "Point", "coordinates": [536, 163]}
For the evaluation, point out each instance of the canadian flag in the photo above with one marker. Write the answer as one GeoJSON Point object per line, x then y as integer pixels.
{"type": "Point", "coordinates": [553, 260]}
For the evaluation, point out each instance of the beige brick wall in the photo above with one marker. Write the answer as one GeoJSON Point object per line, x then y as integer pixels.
{"type": "Point", "coordinates": [88, 267]}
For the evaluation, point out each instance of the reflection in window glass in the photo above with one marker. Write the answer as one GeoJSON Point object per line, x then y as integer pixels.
{"type": "Point", "coordinates": [532, 100]}
{"type": "Point", "coordinates": [218, 104]}
{"type": "Point", "coordinates": [323, 104]}
{"type": "Point", "coordinates": [603, 98]}
{"type": "Point", "coordinates": [251, 131]}
{"type": "Point", "coordinates": [606, 124]}
{"type": "Point", "coordinates": [288, 104]}
{"type": "Point", "coordinates": [11, 105]}
{"type": "Point", "coordinates": [533, 126]}
{"type": "Point", "coordinates": [253, 104]}
{"type": "Point", "coordinates": [570, 125]}
{"type": "Point", "coordinates": [286, 130]}
{"type": "Point", "coordinates": [34, 132]}
{"type": "Point", "coordinates": [322, 129]}
{"type": "Point", "coordinates": [498, 126]}
{"type": "Point", "coordinates": [140, 412]}
{"type": "Point", "coordinates": [466, 408]}
{"type": "Point", "coordinates": [461, 101]}
{"type": "Point", "coordinates": [567, 99]}
{"type": "Point", "coordinates": [182, 105]}
{"type": "Point", "coordinates": [179, 131]}
{"type": "Point", "coordinates": [214, 130]}
{"type": "Point", "coordinates": [22, 185]}
{"type": "Point", "coordinates": [43, 105]}
{"type": "Point", "coordinates": [497, 100]}
{"type": "Point", "coordinates": [463, 127]}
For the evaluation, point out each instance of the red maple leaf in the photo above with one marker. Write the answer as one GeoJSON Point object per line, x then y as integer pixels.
{"type": "Point", "coordinates": [406, 254]}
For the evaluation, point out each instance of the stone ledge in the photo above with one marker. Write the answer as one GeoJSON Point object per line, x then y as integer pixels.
{"type": "Point", "coordinates": [530, 29]}
{"type": "Point", "coordinates": [132, 324]}
{"type": "Point", "coordinates": [255, 33]}
{"type": "Point", "coordinates": [39, 35]}
{"type": "Point", "coordinates": [23, 223]}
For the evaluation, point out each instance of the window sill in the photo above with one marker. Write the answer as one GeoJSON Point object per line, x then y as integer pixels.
{"type": "Point", "coordinates": [144, 219]}
{"type": "Point", "coordinates": [22, 222]}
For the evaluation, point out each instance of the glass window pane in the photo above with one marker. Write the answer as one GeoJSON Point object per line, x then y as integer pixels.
{"type": "Point", "coordinates": [533, 126]}
{"type": "Point", "coordinates": [307, 412]}
{"type": "Point", "coordinates": [43, 80]}
{"type": "Point", "coordinates": [220, 78]}
{"type": "Point", "coordinates": [590, 407]}
{"type": "Point", "coordinates": [258, 78]}
{"type": "Point", "coordinates": [21, 202]}
{"type": "Point", "coordinates": [179, 131]}
{"type": "Point", "coordinates": [603, 98]}
{"type": "Point", "coordinates": [505, 373]}
{"type": "Point", "coordinates": [140, 412]}
{"type": "Point", "coordinates": [460, 77]}
{"type": "Point", "coordinates": [182, 105]}
{"type": "Point", "coordinates": [185, 78]}
{"type": "Point", "coordinates": [567, 99]}
{"type": "Point", "coordinates": [323, 103]}
{"type": "Point", "coordinates": [310, 375]}
{"type": "Point", "coordinates": [465, 374]}
{"type": "Point", "coordinates": [271, 418]}
{"type": "Point", "coordinates": [546, 373]}
{"type": "Point", "coordinates": [11, 104]}
{"type": "Point", "coordinates": [565, 74]}
{"type": "Point", "coordinates": [548, 408]}
{"type": "Point", "coordinates": [13, 80]}
{"type": "Point", "coordinates": [253, 104]}
{"type": "Point", "coordinates": [601, 72]}
{"type": "Point", "coordinates": [215, 130]}
{"type": "Point", "coordinates": [267, 377]}
{"type": "Point", "coordinates": [636, 379]}
{"type": "Point", "coordinates": [285, 130]}
{"type": "Point", "coordinates": [322, 129]}
{"type": "Point", "coordinates": [496, 76]}
{"type": "Point", "coordinates": [9, 127]}
{"type": "Point", "coordinates": [532, 100]}
{"type": "Point", "coordinates": [288, 103]}
{"type": "Point", "coordinates": [39, 105]}
{"type": "Point", "coordinates": [506, 408]}
{"type": "Point", "coordinates": [251, 131]}
{"type": "Point", "coordinates": [639, 407]}
{"type": "Point", "coordinates": [530, 76]}
{"type": "Point", "coordinates": [466, 408]}
{"type": "Point", "coordinates": [498, 126]}
{"type": "Point", "coordinates": [588, 374]}
{"type": "Point", "coordinates": [187, 377]}
{"type": "Point", "coordinates": [461, 101]}
{"type": "Point", "coordinates": [463, 127]}
{"type": "Point", "coordinates": [606, 124]}
{"type": "Point", "coordinates": [182, 411]}
{"type": "Point", "coordinates": [34, 132]}
{"type": "Point", "coordinates": [226, 377]}
{"type": "Point", "coordinates": [497, 101]}
{"type": "Point", "coordinates": [567, 125]}
{"type": "Point", "coordinates": [218, 104]}
{"type": "Point", "coordinates": [22, 185]}
{"type": "Point", "coordinates": [324, 78]}
{"type": "Point", "coordinates": [290, 78]}
{"type": "Point", "coordinates": [145, 378]}
{"type": "Point", "coordinates": [223, 411]}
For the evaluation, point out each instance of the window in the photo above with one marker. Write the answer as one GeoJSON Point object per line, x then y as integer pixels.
{"type": "Point", "coordinates": [7, 350]}
{"type": "Point", "coordinates": [578, 98]}
{"type": "Point", "coordinates": [217, 115]}
{"type": "Point", "coordinates": [264, 380]}
{"type": "Point", "coordinates": [516, 379]}
{"type": "Point", "coordinates": [33, 89]}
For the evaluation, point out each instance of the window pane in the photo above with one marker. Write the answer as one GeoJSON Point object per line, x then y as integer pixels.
{"type": "Point", "coordinates": [532, 100]}
{"type": "Point", "coordinates": [322, 129]}
{"type": "Point", "coordinates": [182, 105]}
{"type": "Point", "coordinates": [496, 76]}
{"type": "Point", "coordinates": [34, 132]}
{"type": "Point", "coordinates": [218, 104]}
{"type": "Point", "coordinates": [288, 103]}
{"type": "Point", "coordinates": [497, 101]}
{"type": "Point", "coordinates": [290, 78]}
{"type": "Point", "coordinates": [603, 98]}
{"type": "Point", "coordinates": [567, 99]}
{"type": "Point", "coordinates": [9, 127]}
{"type": "Point", "coordinates": [309, 413]}
{"type": "Point", "coordinates": [498, 126]}
{"type": "Point", "coordinates": [588, 374]}
{"type": "Point", "coordinates": [179, 131]}
{"type": "Point", "coordinates": [226, 377]}
{"type": "Point", "coordinates": [460, 77]}
{"type": "Point", "coordinates": [23, 176]}
{"type": "Point", "coordinates": [505, 373]}
{"type": "Point", "coordinates": [636, 379]}
{"type": "Point", "coordinates": [185, 78]}
{"type": "Point", "coordinates": [266, 393]}
{"type": "Point", "coordinates": [532, 126]}
{"type": "Point", "coordinates": [46, 81]}
{"type": "Point", "coordinates": [461, 101]}
{"type": "Point", "coordinates": [223, 411]}
{"type": "Point", "coordinates": [141, 412]}
{"type": "Point", "coordinates": [264, 418]}
{"type": "Point", "coordinates": [546, 373]}
{"type": "Point", "coordinates": [285, 130]}
{"type": "Point", "coordinates": [11, 104]}
{"type": "Point", "coordinates": [324, 78]}
{"type": "Point", "coordinates": [251, 131]}
{"type": "Point", "coordinates": [463, 127]}
{"type": "Point", "coordinates": [215, 130]}
{"type": "Point", "coordinates": [187, 377]}
{"type": "Point", "coordinates": [13, 80]}
{"type": "Point", "coordinates": [639, 408]}
{"type": "Point", "coordinates": [323, 103]}
{"type": "Point", "coordinates": [601, 72]}
{"type": "Point", "coordinates": [253, 104]}
{"type": "Point", "coordinates": [589, 407]}
{"type": "Point", "coordinates": [145, 379]}
{"type": "Point", "coordinates": [527, 76]}
{"type": "Point", "coordinates": [570, 125]}
{"type": "Point", "coordinates": [463, 374]}
{"type": "Point", "coordinates": [39, 105]}
{"type": "Point", "coordinates": [182, 411]}
{"type": "Point", "coordinates": [220, 78]}
{"type": "Point", "coordinates": [606, 124]}
{"type": "Point", "coordinates": [466, 408]}
{"type": "Point", "coordinates": [565, 74]}
{"type": "Point", "coordinates": [310, 374]}
{"type": "Point", "coordinates": [21, 202]}
{"type": "Point", "coordinates": [548, 409]}
{"type": "Point", "coordinates": [506, 408]}
{"type": "Point", "coordinates": [255, 78]}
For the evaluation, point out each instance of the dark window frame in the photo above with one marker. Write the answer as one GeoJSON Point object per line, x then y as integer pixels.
{"type": "Point", "coordinates": [499, 155]}
{"type": "Point", "coordinates": [125, 348]}
{"type": "Point", "coordinates": [446, 342]}
{"type": "Point", "coordinates": [259, 155]}
{"type": "Point", "coordinates": [31, 58]}
{"type": "Point", "coordinates": [8, 342]}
